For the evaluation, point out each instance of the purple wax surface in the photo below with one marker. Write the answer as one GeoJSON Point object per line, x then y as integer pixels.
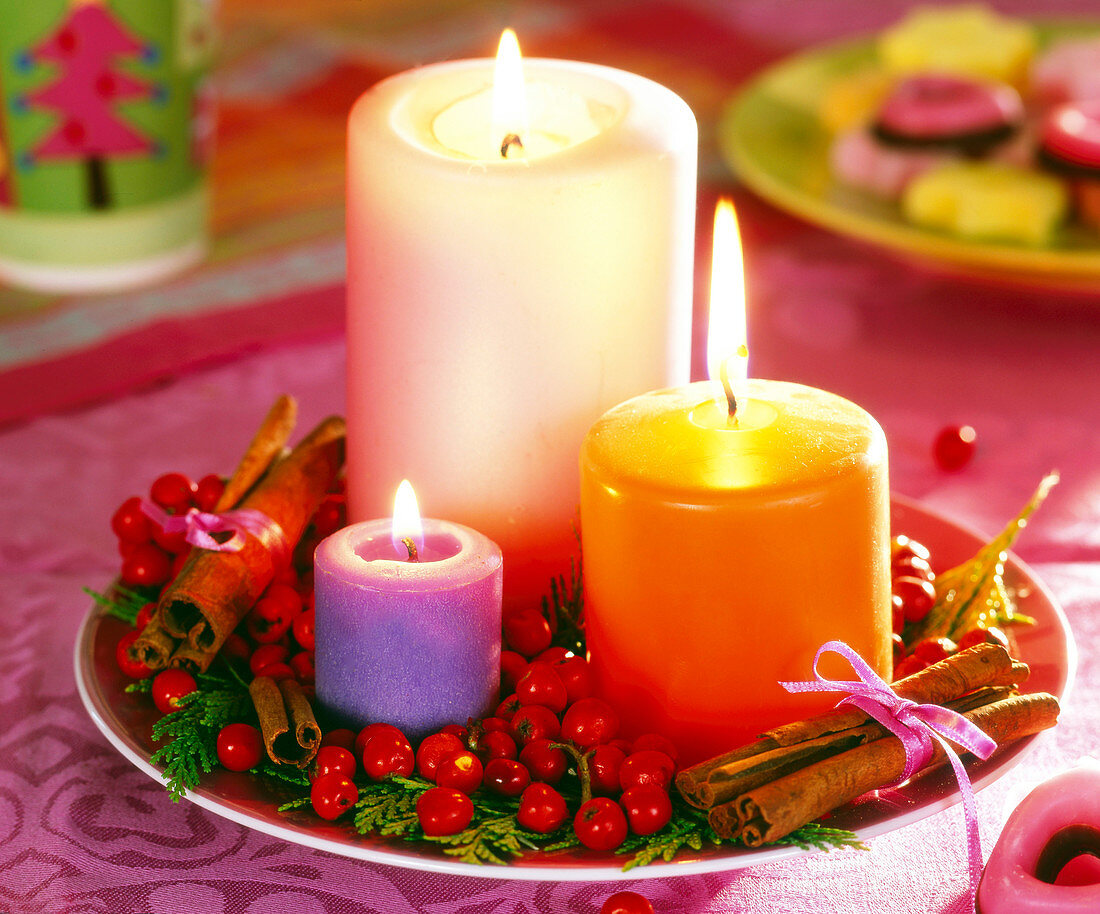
{"type": "Point", "coordinates": [413, 644]}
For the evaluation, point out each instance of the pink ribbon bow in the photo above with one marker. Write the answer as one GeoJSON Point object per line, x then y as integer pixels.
{"type": "Point", "coordinates": [199, 526]}
{"type": "Point", "coordinates": [916, 726]}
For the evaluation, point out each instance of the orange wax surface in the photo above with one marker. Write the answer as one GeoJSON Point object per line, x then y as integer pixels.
{"type": "Point", "coordinates": [718, 559]}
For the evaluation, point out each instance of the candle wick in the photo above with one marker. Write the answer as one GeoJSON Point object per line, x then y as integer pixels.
{"type": "Point", "coordinates": [512, 139]}
{"type": "Point", "coordinates": [727, 386]}
{"type": "Point", "coordinates": [414, 556]}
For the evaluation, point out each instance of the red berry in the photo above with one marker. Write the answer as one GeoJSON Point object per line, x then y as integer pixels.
{"type": "Point", "coordinates": [507, 709]}
{"type": "Point", "coordinates": [303, 629]}
{"type": "Point", "coordinates": [535, 722]}
{"type": "Point", "coordinates": [172, 543]}
{"type": "Point", "coordinates": [552, 654]}
{"type": "Point", "coordinates": [541, 809]}
{"type": "Point", "coordinates": [387, 752]}
{"type": "Point", "coordinates": [954, 446]}
{"type": "Point", "coordinates": [135, 669]}
{"type": "Point", "coordinates": [902, 546]}
{"type": "Point", "coordinates": [367, 732]}
{"type": "Point", "coordinates": [144, 615]}
{"type": "Point", "coordinates": [342, 737]}
{"type": "Point", "coordinates": [626, 903]}
{"type": "Point", "coordinates": [489, 724]}
{"type": "Point", "coordinates": [545, 762]}
{"type": "Point", "coordinates": [277, 671]}
{"type": "Point", "coordinates": [649, 766]}
{"type": "Point", "coordinates": [236, 648]}
{"type": "Point", "coordinates": [170, 686]}
{"type": "Point", "coordinates": [333, 760]}
{"type": "Point", "coordinates": [496, 744]}
{"type": "Point", "coordinates": [302, 664]}
{"type": "Point", "coordinates": [435, 749]}
{"type": "Point", "coordinates": [286, 596]}
{"type": "Point", "coordinates": [603, 769]}
{"type": "Point", "coordinates": [207, 492]}
{"type": "Point", "coordinates": [147, 565]}
{"type": "Point", "coordinates": [589, 722]}
{"type": "Point", "coordinates": [648, 808]}
{"type": "Point", "coordinates": [240, 747]}
{"type": "Point", "coordinates": [456, 730]}
{"type": "Point", "coordinates": [330, 516]}
{"type": "Point", "coordinates": [600, 824]}
{"type": "Point", "coordinates": [656, 741]}
{"type": "Point", "coordinates": [917, 597]}
{"type": "Point", "coordinates": [910, 665]}
{"type": "Point", "coordinates": [933, 650]}
{"type": "Point", "coordinates": [130, 523]}
{"type": "Point", "coordinates": [173, 492]}
{"type": "Point", "coordinates": [462, 771]}
{"type": "Point", "coordinates": [978, 636]}
{"type": "Point", "coordinates": [527, 632]}
{"type": "Point", "coordinates": [333, 795]}
{"type": "Point", "coordinates": [912, 566]}
{"type": "Point", "coordinates": [263, 630]}
{"type": "Point", "coordinates": [541, 685]}
{"type": "Point", "coordinates": [576, 676]}
{"type": "Point", "coordinates": [506, 776]}
{"type": "Point", "coordinates": [512, 666]}
{"type": "Point", "coordinates": [444, 811]}
{"type": "Point", "coordinates": [265, 655]}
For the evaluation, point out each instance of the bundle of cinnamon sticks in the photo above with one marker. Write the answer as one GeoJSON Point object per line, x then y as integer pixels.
{"type": "Point", "coordinates": [796, 773]}
{"type": "Point", "coordinates": [215, 590]}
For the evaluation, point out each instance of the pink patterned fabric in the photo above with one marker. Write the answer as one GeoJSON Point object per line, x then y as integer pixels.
{"type": "Point", "coordinates": [81, 830]}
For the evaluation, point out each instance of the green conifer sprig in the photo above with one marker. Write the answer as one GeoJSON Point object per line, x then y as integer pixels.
{"type": "Point", "coordinates": [119, 602]}
{"type": "Point", "coordinates": [190, 733]}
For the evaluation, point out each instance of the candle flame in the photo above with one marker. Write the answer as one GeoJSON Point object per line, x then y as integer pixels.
{"type": "Point", "coordinates": [407, 527]}
{"type": "Point", "coordinates": [509, 120]}
{"type": "Point", "coordinates": [727, 333]}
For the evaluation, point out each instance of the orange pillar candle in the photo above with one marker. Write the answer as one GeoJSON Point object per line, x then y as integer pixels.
{"type": "Point", "coordinates": [720, 553]}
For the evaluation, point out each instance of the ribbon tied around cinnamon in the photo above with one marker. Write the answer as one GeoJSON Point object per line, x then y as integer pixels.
{"type": "Point", "coordinates": [916, 725]}
{"type": "Point", "coordinates": [199, 528]}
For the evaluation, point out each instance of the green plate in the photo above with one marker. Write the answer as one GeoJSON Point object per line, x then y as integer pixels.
{"type": "Point", "coordinates": [771, 136]}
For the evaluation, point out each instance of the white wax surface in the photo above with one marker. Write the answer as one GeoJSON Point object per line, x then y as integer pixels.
{"type": "Point", "coordinates": [497, 308]}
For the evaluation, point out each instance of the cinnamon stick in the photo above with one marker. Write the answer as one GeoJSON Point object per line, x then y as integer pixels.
{"type": "Point", "coordinates": [214, 590]}
{"type": "Point", "coordinates": [191, 658]}
{"type": "Point", "coordinates": [290, 731]}
{"type": "Point", "coordinates": [775, 809]}
{"type": "Point", "coordinates": [154, 646]}
{"type": "Point", "coordinates": [266, 445]}
{"type": "Point", "coordinates": [722, 778]}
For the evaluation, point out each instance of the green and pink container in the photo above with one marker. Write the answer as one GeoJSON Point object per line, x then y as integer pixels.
{"type": "Point", "coordinates": [106, 131]}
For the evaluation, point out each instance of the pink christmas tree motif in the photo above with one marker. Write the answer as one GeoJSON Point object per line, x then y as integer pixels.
{"type": "Point", "coordinates": [84, 49]}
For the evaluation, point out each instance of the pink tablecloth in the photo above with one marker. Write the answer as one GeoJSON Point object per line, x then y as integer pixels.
{"type": "Point", "coordinates": [81, 830]}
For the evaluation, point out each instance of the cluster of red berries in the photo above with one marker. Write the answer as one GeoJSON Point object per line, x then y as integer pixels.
{"type": "Point", "coordinates": [548, 726]}
{"type": "Point", "coordinates": [913, 584]}
{"type": "Point", "coordinates": [151, 557]}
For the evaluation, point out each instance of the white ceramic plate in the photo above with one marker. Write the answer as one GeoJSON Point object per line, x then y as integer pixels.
{"type": "Point", "coordinates": [126, 719]}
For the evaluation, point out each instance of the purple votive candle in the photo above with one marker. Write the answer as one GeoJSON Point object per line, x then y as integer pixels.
{"type": "Point", "coordinates": [411, 643]}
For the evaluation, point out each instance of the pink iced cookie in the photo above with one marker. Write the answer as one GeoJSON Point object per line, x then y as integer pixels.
{"type": "Point", "coordinates": [949, 110]}
{"type": "Point", "coordinates": [1070, 136]}
{"type": "Point", "coordinates": [1056, 823]}
{"type": "Point", "coordinates": [1068, 71]}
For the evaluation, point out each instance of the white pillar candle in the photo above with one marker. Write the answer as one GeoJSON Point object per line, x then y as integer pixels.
{"type": "Point", "coordinates": [497, 306]}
